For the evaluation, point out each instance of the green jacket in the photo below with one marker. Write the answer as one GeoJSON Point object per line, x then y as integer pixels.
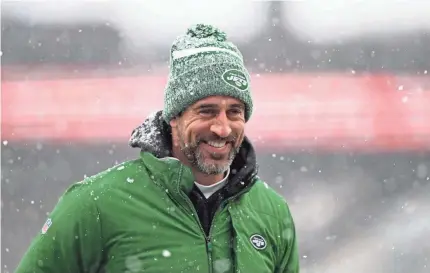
{"type": "Point", "coordinates": [140, 216]}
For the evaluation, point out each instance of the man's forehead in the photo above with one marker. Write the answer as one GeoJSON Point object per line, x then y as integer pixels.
{"type": "Point", "coordinates": [219, 101]}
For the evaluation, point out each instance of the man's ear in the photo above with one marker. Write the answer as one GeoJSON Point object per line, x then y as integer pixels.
{"type": "Point", "coordinates": [174, 126]}
{"type": "Point", "coordinates": [173, 123]}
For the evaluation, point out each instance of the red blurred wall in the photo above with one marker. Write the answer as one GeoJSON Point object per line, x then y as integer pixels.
{"type": "Point", "coordinates": [334, 111]}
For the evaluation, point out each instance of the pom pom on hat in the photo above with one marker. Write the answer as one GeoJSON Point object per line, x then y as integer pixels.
{"type": "Point", "coordinates": [204, 31]}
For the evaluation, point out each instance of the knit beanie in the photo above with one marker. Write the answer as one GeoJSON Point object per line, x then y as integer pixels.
{"type": "Point", "coordinates": [203, 64]}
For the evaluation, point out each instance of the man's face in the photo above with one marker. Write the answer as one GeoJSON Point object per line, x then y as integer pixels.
{"type": "Point", "coordinates": [210, 132]}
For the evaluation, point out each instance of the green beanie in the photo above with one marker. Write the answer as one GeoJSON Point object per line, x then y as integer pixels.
{"type": "Point", "coordinates": [203, 64]}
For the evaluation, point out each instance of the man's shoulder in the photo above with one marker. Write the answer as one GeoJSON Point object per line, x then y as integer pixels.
{"type": "Point", "coordinates": [114, 174]}
{"type": "Point", "coordinates": [265, 191]}
{"type": "Point", "coordinates": [266, 199]}
{"type": "Point", "coordinates": [110, 178]}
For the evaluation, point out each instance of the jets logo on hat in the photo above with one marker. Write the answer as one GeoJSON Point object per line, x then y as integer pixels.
{"type": "Point", "coordinates": [236, 78]}
{"type": "Point", "coordinates": [258, 241]}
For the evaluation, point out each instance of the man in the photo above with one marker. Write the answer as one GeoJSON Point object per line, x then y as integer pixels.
{"type": "Point", "coordinates": [192, 202]}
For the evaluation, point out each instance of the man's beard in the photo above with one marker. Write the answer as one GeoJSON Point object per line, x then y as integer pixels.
{"type": "Point", "coordinates": [196, 157]}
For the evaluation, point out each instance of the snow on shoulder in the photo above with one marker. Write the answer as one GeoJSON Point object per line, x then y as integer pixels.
{"type": "Point", "coordinates": [153, 135]}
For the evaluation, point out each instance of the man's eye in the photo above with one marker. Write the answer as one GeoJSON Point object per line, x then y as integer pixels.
{"type": "Point", "coordinates": [207, 111]}
{"type": "Point", "coordinates": [235, 111]}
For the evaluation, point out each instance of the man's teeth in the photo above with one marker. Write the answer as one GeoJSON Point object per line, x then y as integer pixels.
{"type": "Point", "coordinates": [217, 144]}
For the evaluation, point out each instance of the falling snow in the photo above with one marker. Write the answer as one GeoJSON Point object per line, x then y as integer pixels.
{"type": "Point", "coordinates": [317, 141]}
{"type": "Point", "coordinates": [222, 265]}
{"type": "Point", "coordinates": [39, 146]}
{"type": "Point", "coordinates": [133, 264]}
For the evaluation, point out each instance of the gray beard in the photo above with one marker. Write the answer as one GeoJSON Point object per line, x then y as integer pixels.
{"type": "Point", "coordinates": [196, 158]}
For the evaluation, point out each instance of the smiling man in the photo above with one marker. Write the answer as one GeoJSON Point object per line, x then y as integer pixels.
{"type": "Point", "coordinates": [193, 201]}
{"type": "Point", "coordinates": [206, 146]}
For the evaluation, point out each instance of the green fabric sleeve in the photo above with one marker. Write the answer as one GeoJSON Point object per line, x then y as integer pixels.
{"type": "Point", "coordinates": [73, 242]}
{"type": "Point", "coordinates": [290, 256]}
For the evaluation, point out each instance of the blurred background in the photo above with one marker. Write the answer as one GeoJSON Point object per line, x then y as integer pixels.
{"type": "Point", "coordinates": [341, 125]}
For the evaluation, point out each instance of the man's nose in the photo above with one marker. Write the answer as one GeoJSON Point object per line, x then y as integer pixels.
{"type": "Point", "coordinates": [221, 126]}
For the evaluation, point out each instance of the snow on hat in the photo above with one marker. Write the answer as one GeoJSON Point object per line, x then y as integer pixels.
{"type": "Point", "coordinates": [202, 64]}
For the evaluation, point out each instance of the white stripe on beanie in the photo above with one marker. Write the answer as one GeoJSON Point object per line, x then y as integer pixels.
{"type": "Point", "coordinates": [192, 51]}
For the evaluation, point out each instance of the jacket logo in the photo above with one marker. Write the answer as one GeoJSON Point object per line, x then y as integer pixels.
{"type": "Point", "coordinates": [235, 78]}
{"type": "Point", "coordinates": [258, 241]}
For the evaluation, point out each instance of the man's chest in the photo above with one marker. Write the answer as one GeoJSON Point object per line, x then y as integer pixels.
{"type": "Point", "coordinates": [153, 238]}
{"type": "Point", "coordinates": [167, 256]}
{"type": "Point", "coordinates": [167, 238]}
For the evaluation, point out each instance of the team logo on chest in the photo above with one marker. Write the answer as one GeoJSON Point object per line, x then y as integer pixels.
{"type": "Point", "coordinates": [258, 241]}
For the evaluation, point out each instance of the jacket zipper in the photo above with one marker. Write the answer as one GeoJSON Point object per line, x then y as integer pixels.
{"type": "Point", "coordinates": [196, 217]}
{"type": "Point", "coordinates": [209, 248]}
{"type": "Point", "coordinates": [207, 238]}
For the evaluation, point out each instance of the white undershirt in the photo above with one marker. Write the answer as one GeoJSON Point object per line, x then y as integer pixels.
{"type": "Point", "coordinates": [209, 190]}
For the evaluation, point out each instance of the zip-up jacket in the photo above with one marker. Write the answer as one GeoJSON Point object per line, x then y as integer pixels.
{"type": "Point", "coordinates": [147, 215]}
